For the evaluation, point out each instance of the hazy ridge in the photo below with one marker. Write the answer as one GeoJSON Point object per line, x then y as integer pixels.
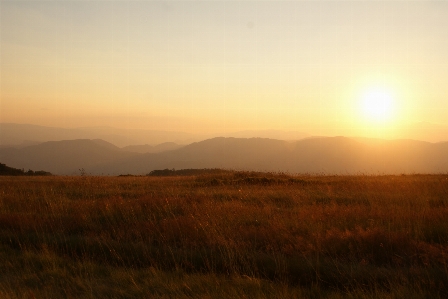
{"type": "Point", "coordinates": [136, 140]}
{"type": "Point", "coordinates": [321, 155]}
{"type": "Point", "coordinates": [20, 135]}
{"type": "Point", "coordinates": [146, 148]}
{"type": "Point", "coordinates": [63, 157]}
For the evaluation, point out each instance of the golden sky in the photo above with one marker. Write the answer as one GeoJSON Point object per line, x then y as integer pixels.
{"type": "Point", "coordinates": [204, 66]}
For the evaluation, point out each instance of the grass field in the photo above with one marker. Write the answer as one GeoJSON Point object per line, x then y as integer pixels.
{"type": "Point", "coordinates": [224, 235]}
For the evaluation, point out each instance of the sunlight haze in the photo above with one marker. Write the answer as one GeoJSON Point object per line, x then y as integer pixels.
{"type": "Point", "coordinates": [351, 68]}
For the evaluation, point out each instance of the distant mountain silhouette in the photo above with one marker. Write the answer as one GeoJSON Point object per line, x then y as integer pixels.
{"type": "Point", "coordinates": [323, 155]}
{"type": "Point", "coordinates": [330, 155]}
{"type": "Point", "coordinates": [64, 157]}
{"type": "Point", "coordinates": [270, 134]}
{"type": "Point", "coordinates": [18, 134]}
{"type": "Point", "coordinates": [146, 148]}
{"type": "Point", "coordinates": [22, 135]}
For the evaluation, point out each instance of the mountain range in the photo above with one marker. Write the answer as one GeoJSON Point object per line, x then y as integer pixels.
{"type": "Point", "coordinates": [22, 135]}
{"type": "Point", "coordinates": [320, 155]}
{"type": "Point", "coordinates": [139, 140]}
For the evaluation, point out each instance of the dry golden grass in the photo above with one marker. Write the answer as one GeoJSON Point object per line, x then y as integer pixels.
{"type": "Point", "coordinates": [232, 234]}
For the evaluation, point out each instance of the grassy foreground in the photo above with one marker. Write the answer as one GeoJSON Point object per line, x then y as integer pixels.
{"type": "Point", "coordinates": [224, 235]}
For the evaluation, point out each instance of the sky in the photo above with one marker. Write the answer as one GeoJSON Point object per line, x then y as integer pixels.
{"type": "Point", "coordinates": [352, 68]}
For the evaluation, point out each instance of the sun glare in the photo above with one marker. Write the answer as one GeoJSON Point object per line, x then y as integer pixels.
{"type": "Point", "coordinates": [377, 105]}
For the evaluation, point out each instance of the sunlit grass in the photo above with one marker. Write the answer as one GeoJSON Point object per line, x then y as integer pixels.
{"type": "Point", "coordinates": [224, 235]}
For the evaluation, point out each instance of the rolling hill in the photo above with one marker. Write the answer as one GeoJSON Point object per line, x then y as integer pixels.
{"type": "Point", "coordinates": [323, 155]}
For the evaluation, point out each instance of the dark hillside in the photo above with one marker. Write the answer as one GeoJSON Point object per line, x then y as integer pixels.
{"type": "Point", "coordinates": [5, 170]}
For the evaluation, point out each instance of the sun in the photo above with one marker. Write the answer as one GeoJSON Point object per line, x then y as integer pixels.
{"type": "Point", "coordinates": [377, 105]}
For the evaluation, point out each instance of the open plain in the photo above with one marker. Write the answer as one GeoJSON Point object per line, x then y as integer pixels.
{"type": "Point", "coordinates": [224, 234]}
